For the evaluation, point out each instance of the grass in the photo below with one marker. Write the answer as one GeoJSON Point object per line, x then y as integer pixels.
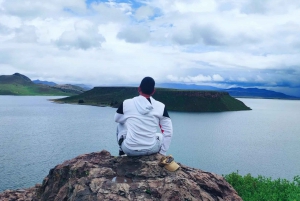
{"type": "Point", "coordinates": [30, 89]}
{"type": "Point", "coordinates": [263, 188]}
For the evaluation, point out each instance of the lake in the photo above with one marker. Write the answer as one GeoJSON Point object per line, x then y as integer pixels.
{"type": "Point", "coordinates": [36, 135]}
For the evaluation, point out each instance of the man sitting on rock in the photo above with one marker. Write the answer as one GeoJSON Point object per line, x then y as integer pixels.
{"type": "Point", "coordinates": [139, 119]}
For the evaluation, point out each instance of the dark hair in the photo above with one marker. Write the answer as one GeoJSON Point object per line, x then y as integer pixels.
{"type": "Point", "coordinates": [147, 85]}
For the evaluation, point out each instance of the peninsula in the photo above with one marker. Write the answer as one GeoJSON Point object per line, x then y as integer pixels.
{"type": "Point", "coordinates": [174, 99]}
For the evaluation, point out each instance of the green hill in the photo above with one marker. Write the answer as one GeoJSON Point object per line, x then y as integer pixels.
{"type": "Point", "coordinates": [175, 100]}
{"type": "Point", "coordinates": [18, 84]}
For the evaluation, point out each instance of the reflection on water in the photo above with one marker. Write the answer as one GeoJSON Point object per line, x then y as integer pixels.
{"type": "Point", "coordinates": [36, 135]}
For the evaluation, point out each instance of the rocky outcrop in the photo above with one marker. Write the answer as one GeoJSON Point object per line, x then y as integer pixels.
{"type": "Point", "coordinates": [100, 176]}
{"type": "Point", "coordinates": [28, 194]}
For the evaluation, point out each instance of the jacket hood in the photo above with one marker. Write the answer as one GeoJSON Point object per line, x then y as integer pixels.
{"type": "Point", "coordinates": [142, 105]}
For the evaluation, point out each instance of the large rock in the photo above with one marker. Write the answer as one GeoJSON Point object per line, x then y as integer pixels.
{"type": "Point", "coordinates": [100, 176]}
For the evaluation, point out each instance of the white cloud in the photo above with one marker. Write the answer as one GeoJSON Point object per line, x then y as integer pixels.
{"type": "Point", "coordinates": [84, 36]}
{"type": "Point", "coordinates": [205, 34]}
{"type": "Point", "coordinates": [36, 8]}
{"type": "Point", "coordinates": [110, 12]}
{"type": "Point", "coordinates": [134, 34]}
{"type": "Point", "coordinates": [185, 6]}
{"type": "Point", "coordinates": [26, 34]}
{"type": "Point", "coordinates": [144, 12]}
{"type": "Point", "coordinates": [192, 41]}
{"type": "Point", "coordinates": [218, 78]}
{"type": "Point", "coordinates": [259, 78]}
{"type": "Point", "coordinates": [242, 79]}
{"type": "Point", "coordinates": [190, 79]}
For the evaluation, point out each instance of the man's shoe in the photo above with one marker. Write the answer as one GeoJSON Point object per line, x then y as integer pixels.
{"type": "Point", "coordinates": [121, 153]}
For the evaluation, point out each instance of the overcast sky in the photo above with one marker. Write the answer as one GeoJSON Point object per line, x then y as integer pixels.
{"type": "Point", "coordinates": [222, 43]}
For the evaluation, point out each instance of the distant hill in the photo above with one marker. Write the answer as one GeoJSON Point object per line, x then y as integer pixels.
{"type": "Point", "coordinates": [234, 92]}
{"type": "Point", "coordinates": [16, 78]}
{"type": "Point", "coordinates": [257, 93]}
{"type": "Point", "coordinates": [175, 100]}
{"type": "Point", "coordinates": [18, 84]}
{"type": "Point", "coordinates": [74, 89]}
{"type": "Point", "coordinates": [70, 88]}
{"type": "Point", "coordinates": [84, 86]}
{"type": "Point", "coordinates": [44, 82]}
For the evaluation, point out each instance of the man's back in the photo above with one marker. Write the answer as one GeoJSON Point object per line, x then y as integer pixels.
{"type": "Point", "coordinates": [142, 121]}
{"type": "Point", "coordinates": [139, 119]}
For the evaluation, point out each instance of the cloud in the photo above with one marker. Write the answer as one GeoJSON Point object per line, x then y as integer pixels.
{"type": "Point", "coordinates": [200, 78]}
{"type": "Point", "coordinates": [84, 36]}
{"type": "Point", "coordinates": [242, 79]}
{"type": "Point", "coordinates": [205, 34]}
{"type": "Point", "coordinates": [26, 34]}
{"type": "Point", "coordinates": [240, 43]}
{"type": "Point", "coordinates": [190, 79]}
{"type": "Point", "coordinates": [269, 6]}
{"type": "Point", "coordinates": [134, 34]}
{"type": "Point", "coordinates": [111, 12]}
{"type": "Point", "coordinates": [185, 6]}
{"type": "Point", "coordinates": [36, 8]}
{"type": "Point", "coordinates": [144, 12]}
{"type": "Point", "coordinates": [4, 30]}
{"type": "Point", "coordinates": [217, 78]}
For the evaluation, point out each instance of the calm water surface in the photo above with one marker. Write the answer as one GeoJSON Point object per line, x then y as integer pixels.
{"type": "Point", "coordinates": [36, 135]}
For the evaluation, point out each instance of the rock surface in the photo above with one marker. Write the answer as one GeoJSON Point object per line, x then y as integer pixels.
{"type": "Point", "coordinates": [100, 176]}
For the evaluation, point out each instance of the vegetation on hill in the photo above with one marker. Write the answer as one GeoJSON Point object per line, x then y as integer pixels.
{"type": "Point", "coordinates": [18, 84]}
{"type": "Point", "coordinates": [17, 89]}
{"type": "Point", "coordinates": [175, 100]}
{"type": "Point", "coordinates": [263, 188]}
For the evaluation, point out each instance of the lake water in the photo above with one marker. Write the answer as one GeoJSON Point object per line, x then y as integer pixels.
{"type": "Point", "coordinates": [36, 135]}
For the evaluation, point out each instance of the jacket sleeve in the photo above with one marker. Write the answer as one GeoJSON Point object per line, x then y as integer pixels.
{"type": "Point", "coordinates": [119, 115]}
{"type": "Point", "coordinates": [167, 130]}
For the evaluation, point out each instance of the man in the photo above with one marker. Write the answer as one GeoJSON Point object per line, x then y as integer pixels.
{"type": "Point", "coordinates": [139, 118]}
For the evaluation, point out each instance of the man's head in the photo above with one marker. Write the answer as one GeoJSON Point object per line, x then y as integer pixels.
{"type": "Point", "coordinates": [147, 85]}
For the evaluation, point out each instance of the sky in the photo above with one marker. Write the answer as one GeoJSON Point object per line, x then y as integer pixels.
{"type": "Point", "coordinates": [221, 43]}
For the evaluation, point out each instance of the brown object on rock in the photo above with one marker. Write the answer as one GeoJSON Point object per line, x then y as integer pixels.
{"type": "Point", "coordinates": [169, 163]}
{"type": "Point", "coordinates": [100, 176]}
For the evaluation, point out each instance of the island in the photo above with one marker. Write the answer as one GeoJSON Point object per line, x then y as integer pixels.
{"type": "Point", "coordinates": [174, 99]}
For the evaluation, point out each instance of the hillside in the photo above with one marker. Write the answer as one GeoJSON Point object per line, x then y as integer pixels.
{"type": "Point", "coordinates": [18, 84]}
{"type": "Point", "coordinates": [175, 100]}
{"type": "Point", "coordinates": [44, 82]}
{"type": "Point", "coordinates": [73, 89]}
